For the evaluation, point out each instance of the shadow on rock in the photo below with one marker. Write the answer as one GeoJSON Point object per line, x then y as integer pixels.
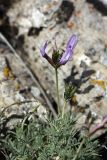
{"type": "Point", "coordinates": [65, 11]}
{"type": "Point", "coordinates": [99, 6]}
{"type": "Point", "coordinates": [77, 82]}
{"type": "Point", "coordinates": [5, 5]}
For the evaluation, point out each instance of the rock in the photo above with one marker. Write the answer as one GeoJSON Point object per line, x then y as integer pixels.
{"type": "Point", "coordinates": [27, 16]}
{"type": "Point", "coordinates": [89, 60]}
{"type": "Point", "coordinates": [100, 5]}
{"type": "Point", "coordinates": [104, 2]}
{"type": "Point", "coordinates": [19, 94]}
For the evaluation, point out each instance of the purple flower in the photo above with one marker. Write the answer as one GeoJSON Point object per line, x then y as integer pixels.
{"type": "Point", "coordinates": [65, 56]}
{"type": "Point", "coordinates": [69, 50]}
{"type": "Point", "coordinates": [43, 49]}
{"type": "Point", "coordinates": [43, 53]}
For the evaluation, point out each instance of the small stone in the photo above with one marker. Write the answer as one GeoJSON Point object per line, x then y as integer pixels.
{"type": "Point", "coordinates": [35, 91]}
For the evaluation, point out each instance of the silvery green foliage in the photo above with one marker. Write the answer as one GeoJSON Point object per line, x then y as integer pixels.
{"type": "Point", "coordinates": [69, 91]}
{"type": "Point", "coordinates": [56, 139]}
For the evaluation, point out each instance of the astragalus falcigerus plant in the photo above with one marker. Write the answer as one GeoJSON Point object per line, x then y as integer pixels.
{"type": "Point", "coordinates": [55, 138]}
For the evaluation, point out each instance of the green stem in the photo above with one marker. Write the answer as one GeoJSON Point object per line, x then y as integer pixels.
{"type": "Point", "coordinates": [63, 109]}
{"type": "Point", "coordinates": [79, 149]}
{"type": "Point", "coordinates": [57, 90]}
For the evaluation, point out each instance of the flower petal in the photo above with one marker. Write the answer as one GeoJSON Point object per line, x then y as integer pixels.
{"type": "Point", "coordinates": [72, 42]}
{"type": "Point", "coordinates": [43, 49]}
{"type": "Point", "coordinates": [69, 50]}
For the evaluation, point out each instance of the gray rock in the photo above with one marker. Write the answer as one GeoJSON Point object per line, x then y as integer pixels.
{"type": "Point", "coordinates": [90, 54]}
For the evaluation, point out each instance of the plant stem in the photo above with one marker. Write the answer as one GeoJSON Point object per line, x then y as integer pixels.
{"type": "Point", "coordinates": [79, 149]}
{"type": "Point", "coordinates": [63, 109]}
{"type": "Point", "coordinates": [57, 90]}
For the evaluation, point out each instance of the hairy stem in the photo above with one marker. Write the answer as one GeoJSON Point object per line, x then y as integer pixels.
{"type": "Point", "coordinates": [57, 90]}
{"type": "Point", "coordinates": [63, 109]}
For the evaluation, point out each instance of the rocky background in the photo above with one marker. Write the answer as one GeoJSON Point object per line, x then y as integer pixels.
{"type": "Point", "coordinates": [27, 80]}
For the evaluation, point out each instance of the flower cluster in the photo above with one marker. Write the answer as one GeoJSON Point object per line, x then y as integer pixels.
{"type": "Point", "coordinates": [60, 59]}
